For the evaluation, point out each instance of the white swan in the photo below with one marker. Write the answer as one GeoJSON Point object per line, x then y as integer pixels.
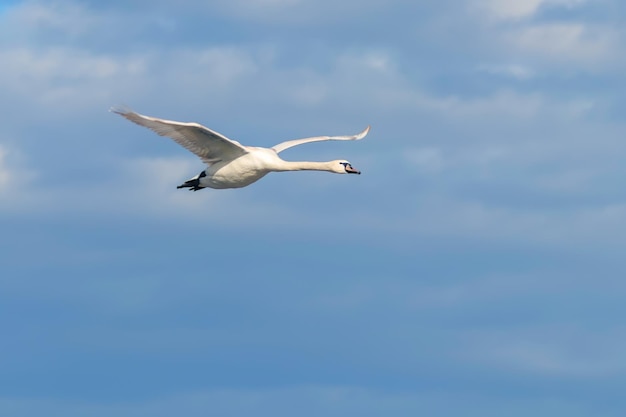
{"type": "Point", "coordinates": [231, 164]}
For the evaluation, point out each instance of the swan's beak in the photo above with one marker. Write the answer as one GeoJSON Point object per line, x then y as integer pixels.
{"type": "Point", "coordinates": [351, 170]}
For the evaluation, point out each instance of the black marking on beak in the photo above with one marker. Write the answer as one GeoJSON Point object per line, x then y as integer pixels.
{"type": "Point", "coordinates": [349, 169]}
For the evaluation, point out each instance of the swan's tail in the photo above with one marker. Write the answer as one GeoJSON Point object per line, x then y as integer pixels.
{"type": "Point", "coordinates": [194, 183]}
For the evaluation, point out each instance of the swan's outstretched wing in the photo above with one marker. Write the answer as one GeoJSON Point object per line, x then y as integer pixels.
{"type": "Point", "coordinates": [210, 146]}
{"type": "Point", "coordinates": [285, 145]}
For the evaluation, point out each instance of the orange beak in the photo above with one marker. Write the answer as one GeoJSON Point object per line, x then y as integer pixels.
{"type": "Point", "coordinates": [351, 170]}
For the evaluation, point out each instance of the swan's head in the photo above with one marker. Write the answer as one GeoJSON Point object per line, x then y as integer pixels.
{"type": "Point", "coordinates": [345, 167]}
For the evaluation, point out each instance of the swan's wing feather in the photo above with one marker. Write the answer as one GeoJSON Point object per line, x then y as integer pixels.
{"type": "Point", "coordinates": [285, 145]}
{"type": "Point", "coordinates": [209, 145]}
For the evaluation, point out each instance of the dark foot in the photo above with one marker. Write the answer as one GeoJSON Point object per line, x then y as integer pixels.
{"type": "Point", "coordinates": [194, 184]}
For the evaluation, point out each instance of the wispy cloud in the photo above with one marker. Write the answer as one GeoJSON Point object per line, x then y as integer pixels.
{"type": "Point", "coordinates": [76, 75]}
{"type": "Point", "coordinates": [576, 43]}
{"type": "Point", "coordinates": [561, 350]}
{"type": "Point", "coordinates": [514, 9]}
{"type": "Point", "coordinates": [306, 401]}
{"type": "Point", "coordinates": [64, 17]}
{"type": "Point", "coordinates": [558, 42]}
{"type": "Point", "coordinates": [519, 72]}
{"type": "Point", "coordinates": [5, 175]}
{"type": "Point", "coordinates": [15, 179]}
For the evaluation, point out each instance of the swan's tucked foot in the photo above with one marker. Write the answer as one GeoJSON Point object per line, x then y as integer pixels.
{"type": "Point", "coordinates": [194, 183]}
{"type": "Point", "coordinates": [191, 187]}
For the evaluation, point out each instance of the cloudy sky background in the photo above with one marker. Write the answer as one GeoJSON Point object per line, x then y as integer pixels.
{"type": "Point", "coordinates": [474, 269]}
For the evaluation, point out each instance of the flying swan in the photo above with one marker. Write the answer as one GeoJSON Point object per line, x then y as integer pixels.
{"type": "Point", "coordinates": [231, 164]}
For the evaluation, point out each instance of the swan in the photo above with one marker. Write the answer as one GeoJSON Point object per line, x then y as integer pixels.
{"type": "Point", "coordinates": [231, 164]}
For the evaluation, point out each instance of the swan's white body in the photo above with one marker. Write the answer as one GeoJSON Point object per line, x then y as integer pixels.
{"type": "Point", "coordinates": [231, 164]}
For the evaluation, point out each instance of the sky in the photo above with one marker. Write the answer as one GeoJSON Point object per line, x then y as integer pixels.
{"type": "Point", "coordinates": [475, 268]}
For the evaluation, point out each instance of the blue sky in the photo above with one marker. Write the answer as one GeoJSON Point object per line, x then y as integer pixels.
{"type": "Point", "coordinates": [474, 269]}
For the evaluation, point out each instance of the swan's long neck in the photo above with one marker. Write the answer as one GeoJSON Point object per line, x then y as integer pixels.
{"type": "Point", "coordinates": [304, 166]}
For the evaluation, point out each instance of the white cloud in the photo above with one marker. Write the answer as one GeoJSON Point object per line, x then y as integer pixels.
{"type": "Point", "coordinates": [519, 9]}
{"type": "Point", "coordinates": [504, 103]}
{"type": "Point", "coordinates": [83, 80]}
{"type": "Point", "coordinates": [585, 45]}
{"type": "Point", "coordinates": [77, 78]}
{"type": "Point", "coordinates": [25, 65]}
{"type": "Point", "coordinates": [66, 17]}
{"type": "Point", "coordinates": [569, 45]}
{"type": "Point", "coordinates": [217, 65]}
{"type": "Point", "coordinates": [298, 12]}
{"type": "Point", "coordinates": [504, 9]}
